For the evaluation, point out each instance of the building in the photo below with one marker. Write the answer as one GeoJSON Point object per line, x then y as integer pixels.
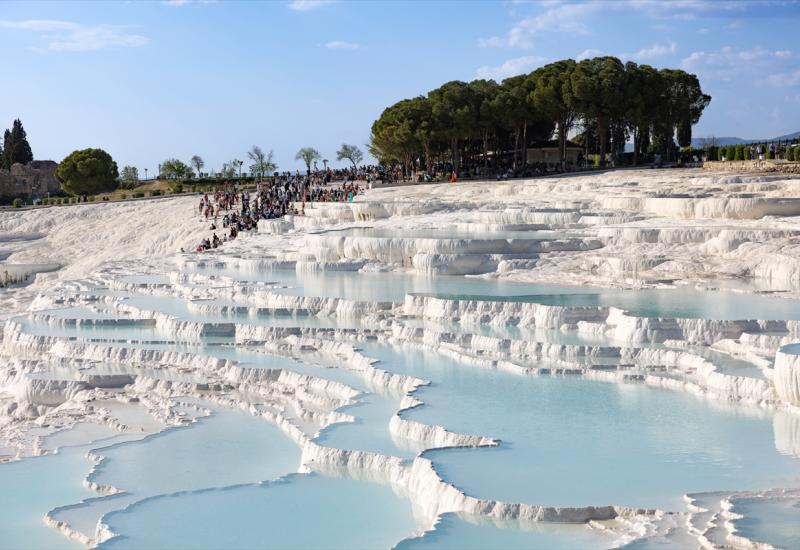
{"type": "Point", "coordinates": [547, 153]}
{"type": "Point", "coordinates": [29, 181]}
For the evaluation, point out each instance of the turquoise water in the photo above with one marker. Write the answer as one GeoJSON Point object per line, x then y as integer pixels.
{"type": "Point", "coordinates": [569, 441]}
{"type": "Point", "coordinates": [564, 441]}
{"type": "Point", "coordinates": [471, 532]}
{"type": "Point", "coordinates": [227, 448]}
{"type": "Point", "coordinates": [678, 302]}
{"type": "Point", "coordinates": [370, 432]}
{"type": "Point", "coordinates": [774, 522]}
{"type": "Point", "coordinates": [32, 487]}
{"type": "Point", "coordinates": [303, 512]}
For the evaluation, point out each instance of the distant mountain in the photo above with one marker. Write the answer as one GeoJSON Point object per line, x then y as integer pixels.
{"type": "Point", "coordinates": [788, 136]}
{"type": "Point", "coordinates": [698, 142]}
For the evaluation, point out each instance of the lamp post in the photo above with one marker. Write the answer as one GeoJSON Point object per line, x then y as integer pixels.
{"type": "Point", "coordinates": [145, 174]}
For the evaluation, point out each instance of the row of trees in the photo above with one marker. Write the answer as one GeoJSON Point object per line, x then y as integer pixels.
{"type": "Point", "coordinates": [752, 152]}
{"type": "Point", "coordinates": [347, 151]}
{"type": "Point", "coordinates": [262, 163]}
{"type": "Point", "coordinates": [15, 148]}
{"type": "Point", "coordinates": [480, 121]}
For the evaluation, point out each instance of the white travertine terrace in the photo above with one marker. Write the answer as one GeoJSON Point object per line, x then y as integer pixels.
{"type": "Point", "coordinates": [624, 229]}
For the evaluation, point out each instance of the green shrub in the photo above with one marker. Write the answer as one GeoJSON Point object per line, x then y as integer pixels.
{"type": "Point", "coordinates": [155, 193]}
{"type": "Point", "coordinates": [123, 196]}
{"type": "Point", "coordinates": [767, 153]}
{"type": "Point", "coordinates": [738, 153]}
{"type": "Point", "coordinates": [17, 203]}
{"type": "Point", "coordinates": [712, 153]}
{"type": "Point", "coordinates": [138, 195]}
{"type": "Point", "coordinates": [176, 188]}
{"type": "Point", "coordinates": [87, 171]}
{"type": "Point", "coordinates": [91, 198]}
{"type": "Point", "coordinates": [746, 152]}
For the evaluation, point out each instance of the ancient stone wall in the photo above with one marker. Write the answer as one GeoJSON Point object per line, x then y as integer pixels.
{"type": "Point", "coordinates": [753, 166]}
{"type": "Point", "coordinates": [32, 180]}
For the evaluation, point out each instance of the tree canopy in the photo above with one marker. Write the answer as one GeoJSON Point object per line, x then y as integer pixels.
{"type": "Point", "coordinates": [351, 153]}
{"type": "Point", "coordinates": [16, 148]}
{"type": "Point", "coordinates": [263, 163]}
{"type": "Point", "coordinates": [468, 123]}
{"type": "Point", "coordinates": [129, 174]}
{"type": "Point", "coordinates": [197, 162]}
{"type": "Point", "coordinates": [174, 169]}
{"type": "Point", "coordinates": [308, 155]}
{"type": "Point", "coordinates": [87, 172]}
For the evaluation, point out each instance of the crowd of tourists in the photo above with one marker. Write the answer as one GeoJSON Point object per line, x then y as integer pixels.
{"type": "Point", "coordinates": [231, 210]}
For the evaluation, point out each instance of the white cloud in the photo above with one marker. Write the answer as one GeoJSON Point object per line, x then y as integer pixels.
{"type": "Point", "coordinates": [691, 9]}
{"type": "Point", "coordinates": [562, 18]}
{"type": "Point", "coordinates": [573, 17]}
{"type": "Point", "coordinates": [586, 54]}
{"type": "Point", "coordinates": [729, 63]}
{"type": "Point", "coordinates": [784, 80]}
{"type": "Point", "coordinates": [512, 67]}
{"type": "Point", "coordinates": [342, 45]}
{"type": "Point", "coordinates": [654, 51]}
{"type": "Point", "coordinates": [76, 37]}
{"type": "Point", "coordinates": [308, 5]}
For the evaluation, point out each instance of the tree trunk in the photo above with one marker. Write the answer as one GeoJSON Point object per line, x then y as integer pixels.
{"type": "Point", "coordinates": [562, 143]}
{"type": "Point", "coordinates": [516, 148]}
{"type": "Point", "coordinates": [525, 144]}
{"type": "Point", "coordinates": [602, 131]}
{"type": "Point", "coordinates": [635, 145]}
{"type": "Point", "coordinates": [427, 148]}
{"type": "Point", "coordinates": [485, 150]}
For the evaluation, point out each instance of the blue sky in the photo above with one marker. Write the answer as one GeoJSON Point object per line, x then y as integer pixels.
{"type": "Point", "coordinates": [151, 80]}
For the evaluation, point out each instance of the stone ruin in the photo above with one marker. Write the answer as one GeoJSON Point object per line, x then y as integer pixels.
{"type": "Point", "coordinates": [29, 181]}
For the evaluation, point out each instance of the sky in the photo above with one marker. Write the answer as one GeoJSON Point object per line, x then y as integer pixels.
{"type": "Point", "coordinates": [147, 81]}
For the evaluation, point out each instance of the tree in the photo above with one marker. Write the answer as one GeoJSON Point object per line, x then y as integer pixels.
{"type": "Point", "coordinates": [174, 169]}
{"type": "Point", "coordinates": [351, 153]}
{"type": "Point", "coordinates": [453, 112]}
{"type": "Point", "coordinates": [552, 95]}
{"type": "Point", "coordinates": [88, 172]}
{"type": "Point", "coordinates": [16, 148]}
{"type": "Point", "coordinates": [129, 175]}
{"type": "Point", "coordinates": [237, 164]}
{"type": "Point", "coordinates": [262, 163]}
{"type": "Point", "coordinates": [684, 133]}
{"type": "Point", "coordinates": [228, 170]}
{"type": "Point", "coordinates": [463, 122]}
{"type": "Point", "coordinates": [683, 103]}
{"type": "Point", "coordinates": [197, 162]}
{"type": "Point", "coordinates": [598, 87]}
{"type": "Point", "coordinates": [308, 155]}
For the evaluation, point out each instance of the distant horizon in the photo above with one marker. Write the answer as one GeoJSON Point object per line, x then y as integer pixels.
{"type": "Point", "coordinates": [151, 81]}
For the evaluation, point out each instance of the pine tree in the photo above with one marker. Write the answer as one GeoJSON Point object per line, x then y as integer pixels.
{"type": "Point", "coordinates": [21, 151]}
{"type": "Point", "coordinates": [15, 146]}
{"type": "Point", "coordinates": [7, 148]}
